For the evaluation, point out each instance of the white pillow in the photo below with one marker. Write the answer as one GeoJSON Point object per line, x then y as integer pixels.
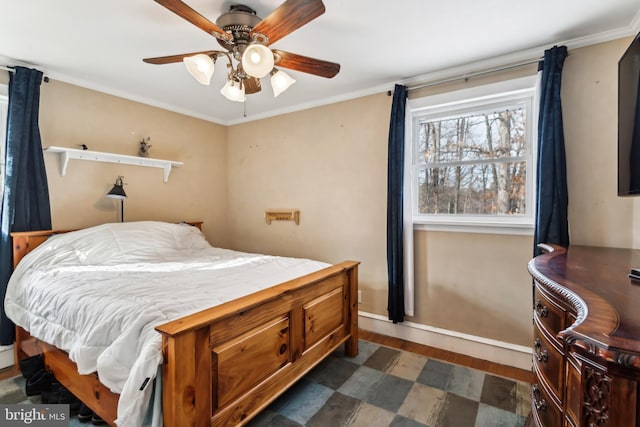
{"type": "Point", "coordinates": [129, 242]}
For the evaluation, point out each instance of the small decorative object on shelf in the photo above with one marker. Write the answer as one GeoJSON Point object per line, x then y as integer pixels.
{"type": "Point", "coordinates": [143, 149]}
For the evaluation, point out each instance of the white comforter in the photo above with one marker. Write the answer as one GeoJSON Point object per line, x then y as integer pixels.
{"type": "Point", "coordinates": [98, 293]}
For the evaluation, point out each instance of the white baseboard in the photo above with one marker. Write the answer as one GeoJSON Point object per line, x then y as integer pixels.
{"type": "Point", "coordinates": [481, 348]}
{"type": "Point", "coordinates": [6, 356]}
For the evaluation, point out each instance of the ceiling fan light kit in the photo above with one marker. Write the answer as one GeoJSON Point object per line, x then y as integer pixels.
{"type": "Point", "coordinates": [201, 67]}
{"type": "Point", "coordinates": [234, 91]}
{"type": "Point", "coordinates": [257, 60]}
{"type": "Point", "coordinates": [246, 38]}
{"type": "Point", "coordinates": [280, 81]}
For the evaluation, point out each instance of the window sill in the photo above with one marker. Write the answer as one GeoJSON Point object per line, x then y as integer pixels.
{"type": "Point", "coordinates": [461, 226]}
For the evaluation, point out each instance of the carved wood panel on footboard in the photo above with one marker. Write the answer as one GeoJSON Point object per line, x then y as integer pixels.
{"type": "Point", "coordinates": [225, 364]}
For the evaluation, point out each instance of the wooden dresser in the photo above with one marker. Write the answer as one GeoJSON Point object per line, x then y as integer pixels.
{"type": "Point", "coordinates": [586, 337]}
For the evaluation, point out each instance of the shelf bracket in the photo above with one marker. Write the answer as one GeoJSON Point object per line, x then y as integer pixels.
{"type": "Point", "coordinates": [64, 162]}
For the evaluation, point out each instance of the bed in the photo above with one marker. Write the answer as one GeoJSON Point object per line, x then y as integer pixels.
{"type": "Point", "coordinates": [221, 359]}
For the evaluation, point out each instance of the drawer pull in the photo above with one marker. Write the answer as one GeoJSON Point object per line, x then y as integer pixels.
{"type": "Point", "coordinates": [541, 309]}
{"type": "Point", "coordinates": [542, 356]}
{"type": "Point", "coordinates": [540, 404]}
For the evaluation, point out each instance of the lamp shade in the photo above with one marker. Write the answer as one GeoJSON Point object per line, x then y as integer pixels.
{"type": "Point", "coordinates": [233, 91]}
{"type": "Point", "coordinates": [200, 66]}
{"type": "Point", "coordinates": [117, 192]}
{"type": "Point", "coordinates": [280, 81]}
{"type": "Point", "coordinates": [257, 60]}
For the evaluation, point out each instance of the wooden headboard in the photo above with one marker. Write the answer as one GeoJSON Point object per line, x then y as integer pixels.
{"type": "Point", "coordinates": [26, 241]}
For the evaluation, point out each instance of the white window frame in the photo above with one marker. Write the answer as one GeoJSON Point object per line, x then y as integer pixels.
{"type": "Point", "coordinates": [459, 102]}
{"type": "Point", "coordinates": [4, 107]}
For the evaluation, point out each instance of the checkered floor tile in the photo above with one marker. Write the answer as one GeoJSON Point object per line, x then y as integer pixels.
{"type": "Point", "coordinates": [387, 387]}
{"type": "Point", "coordinates": [382, 386]}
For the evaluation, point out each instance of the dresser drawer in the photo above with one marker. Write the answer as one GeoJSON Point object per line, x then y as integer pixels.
{"type": "Point", "coordinates": [546, 412]}
{"type": "Point", "coordinates": [548, 313]}
{"type": "Point", "coordinates": [548, 362]}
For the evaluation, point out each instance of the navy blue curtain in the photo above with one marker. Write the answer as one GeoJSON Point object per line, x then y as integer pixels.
{"type": "Point", "coordinates": [25, 201]}
{"type": "Point", "coordinates": [395, 182]}
{"type": "Point", "coordinates": [552, 225]}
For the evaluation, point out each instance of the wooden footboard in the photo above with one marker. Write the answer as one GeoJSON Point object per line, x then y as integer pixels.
{"type": "Point", "coordinates": [223, 365]}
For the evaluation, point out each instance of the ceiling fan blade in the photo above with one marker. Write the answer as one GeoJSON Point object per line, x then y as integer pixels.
{"type": "Point", "coordinates": [174, 58]}
{"type": "Point", "coordinates": [184, 11]}
{"type": "Point", "coordinates": [291, 15]}
{"type": "Point", "coordinates": [305, 64]}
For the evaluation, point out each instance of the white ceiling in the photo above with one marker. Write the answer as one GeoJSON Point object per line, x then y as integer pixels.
{"type": "Point", "coordinates": [100, 45]}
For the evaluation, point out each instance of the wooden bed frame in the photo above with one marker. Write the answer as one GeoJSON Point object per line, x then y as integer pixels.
{"type": "Point", "coordinates": [223, 365]}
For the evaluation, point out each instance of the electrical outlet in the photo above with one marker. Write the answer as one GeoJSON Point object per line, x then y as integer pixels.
{"type": "Point", "coordinates": [359, 297]}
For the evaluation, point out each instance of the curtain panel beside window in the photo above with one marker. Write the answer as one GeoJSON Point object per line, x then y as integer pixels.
{"type": "Point", "coordinates": [395, 200]}
{"type": "Point", "coordinates": [552, 225]}
{"type": "Point", "coordinates": [25, 200]}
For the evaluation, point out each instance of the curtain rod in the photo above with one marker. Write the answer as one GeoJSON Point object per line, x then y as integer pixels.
{"type": "Point", "coordinates": [474, 74]}
{"type": "Point", "coordinates": [13, 70]}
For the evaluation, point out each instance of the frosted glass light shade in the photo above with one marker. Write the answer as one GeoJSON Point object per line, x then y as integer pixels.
{"type": "Point", "coordinates": [200, 66]}
{"type": "Point", "coordinates": [280, 81]}
{"type": "Point", "coordinates": [257, 60]}
{"type": "Point", "coordinates": [233, 91]}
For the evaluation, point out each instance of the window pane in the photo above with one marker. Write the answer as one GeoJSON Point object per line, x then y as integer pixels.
{"type": "Point", "coordinates": [482, 189]}
{"type": "Point", "coordinates": [477, 136]}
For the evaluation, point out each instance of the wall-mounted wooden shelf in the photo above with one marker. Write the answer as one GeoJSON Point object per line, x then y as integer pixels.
{"type": "Point", "coordinates": [282, 215]}
{"type": "Point", "coordinates": [97, 156]}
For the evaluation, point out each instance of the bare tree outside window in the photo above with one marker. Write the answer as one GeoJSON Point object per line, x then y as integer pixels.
{"type": "Point", "coordinates": [473, 164]}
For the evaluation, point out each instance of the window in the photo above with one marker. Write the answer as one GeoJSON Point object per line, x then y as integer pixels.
{"type": "Point", "coordinates": [471, 164]}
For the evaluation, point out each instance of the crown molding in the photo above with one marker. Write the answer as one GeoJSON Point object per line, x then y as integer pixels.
{"type": "Point", "coordinates": [488, 64]}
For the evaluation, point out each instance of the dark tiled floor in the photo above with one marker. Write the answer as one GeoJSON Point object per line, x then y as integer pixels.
{"type": "Point", "coordinates": [382, 386]}
{"type": "Point", "coordinates": [387, 387]}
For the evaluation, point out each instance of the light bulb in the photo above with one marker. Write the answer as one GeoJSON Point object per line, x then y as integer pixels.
{"type": "Point", "coordinates": [255, 57]}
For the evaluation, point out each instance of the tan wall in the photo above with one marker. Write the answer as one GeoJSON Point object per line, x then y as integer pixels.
{"type": "Point", "coordinates": [330, 162]}
{"type": "Point", "coordinates": [70, 115]}
{"type": "Point", "coordinates": [597, 216]}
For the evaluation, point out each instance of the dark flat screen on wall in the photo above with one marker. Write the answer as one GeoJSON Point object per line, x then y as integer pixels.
{"type": "Point", "coordinates": [629, 121]}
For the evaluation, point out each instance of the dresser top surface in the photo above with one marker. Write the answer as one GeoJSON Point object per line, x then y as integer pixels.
{"type": "Point", "coordinates": [595, 281]}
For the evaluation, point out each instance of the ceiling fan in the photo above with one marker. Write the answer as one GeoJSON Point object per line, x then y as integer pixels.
{"type": "Point", "coordinates": [246, 39]}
